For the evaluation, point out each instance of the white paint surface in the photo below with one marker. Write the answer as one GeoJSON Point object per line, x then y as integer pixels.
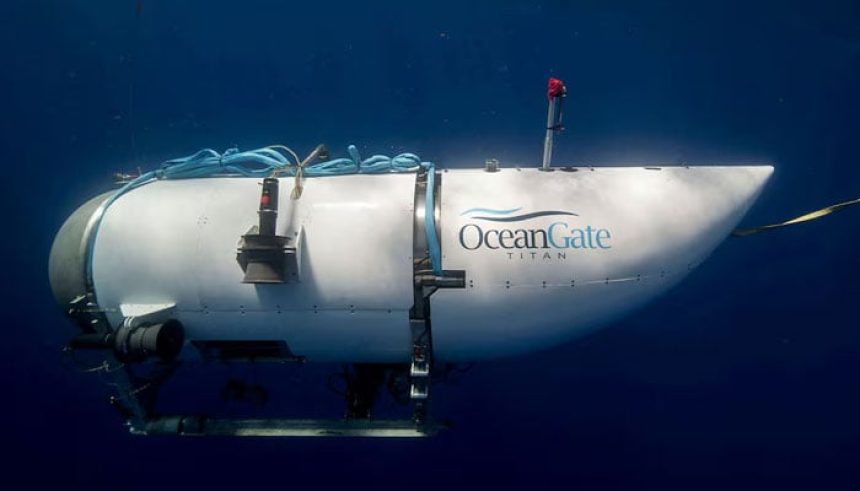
{"type": "Point", "coordinates": [176, 242]}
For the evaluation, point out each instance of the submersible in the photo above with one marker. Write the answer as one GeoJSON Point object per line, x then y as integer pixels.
{"type": "Point", "coordinates": [398, 266]}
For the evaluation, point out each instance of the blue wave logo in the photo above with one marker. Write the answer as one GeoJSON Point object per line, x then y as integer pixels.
{"type": "Point", "coordinates": [494, 215]}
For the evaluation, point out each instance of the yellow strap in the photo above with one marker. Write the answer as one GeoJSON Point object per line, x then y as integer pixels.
{"type": "Point", "coordinates": [743, 232]}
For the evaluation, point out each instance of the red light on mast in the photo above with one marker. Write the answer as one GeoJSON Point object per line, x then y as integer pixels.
{"type": "Point", "coordinates": [555, 88]}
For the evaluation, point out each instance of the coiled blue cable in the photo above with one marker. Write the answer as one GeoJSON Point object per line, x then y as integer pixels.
{"type": "Point", "coordinates": [267, 161]}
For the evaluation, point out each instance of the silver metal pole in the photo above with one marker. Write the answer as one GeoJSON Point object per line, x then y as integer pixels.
{"type": "Point", "coordinates": [550, 132]}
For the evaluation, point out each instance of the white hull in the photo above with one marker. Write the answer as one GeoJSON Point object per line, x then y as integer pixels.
{"type": "Point", "coordinates": [621, 237]}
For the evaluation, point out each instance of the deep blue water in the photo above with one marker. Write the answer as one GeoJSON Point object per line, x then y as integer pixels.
{"type": "Point", "coordinates": [744, 376]}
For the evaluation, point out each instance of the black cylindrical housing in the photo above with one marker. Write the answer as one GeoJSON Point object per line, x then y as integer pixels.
{"type": "Point", "coordinates": [269, 206]}
{"type": "Point", "coordinates": [91, 341]}
{"type": "Point", "coordinates": [134, 344]}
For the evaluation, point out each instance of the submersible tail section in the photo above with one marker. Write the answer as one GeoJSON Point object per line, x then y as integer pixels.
{"type": "Point", "coordinates": [268, 254]}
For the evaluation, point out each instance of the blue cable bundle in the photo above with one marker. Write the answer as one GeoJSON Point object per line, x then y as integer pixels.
{"type": "Point", "coordinates": [267, 161]}
{"type": "Point", "coordinates": [378, 164]}
{"type": "Point", "coordinates": [275, 160]}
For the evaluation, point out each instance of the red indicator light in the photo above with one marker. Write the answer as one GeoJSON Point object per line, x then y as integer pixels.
{"type": "Point", "coordinates": [555, 88]}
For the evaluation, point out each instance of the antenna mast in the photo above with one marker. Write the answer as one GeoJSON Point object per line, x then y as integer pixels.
{"type": "Point", "coordinates": [555, 93]}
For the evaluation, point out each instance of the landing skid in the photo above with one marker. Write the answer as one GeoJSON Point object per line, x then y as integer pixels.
{"type": "Point", "coordinates": [194, 426]}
